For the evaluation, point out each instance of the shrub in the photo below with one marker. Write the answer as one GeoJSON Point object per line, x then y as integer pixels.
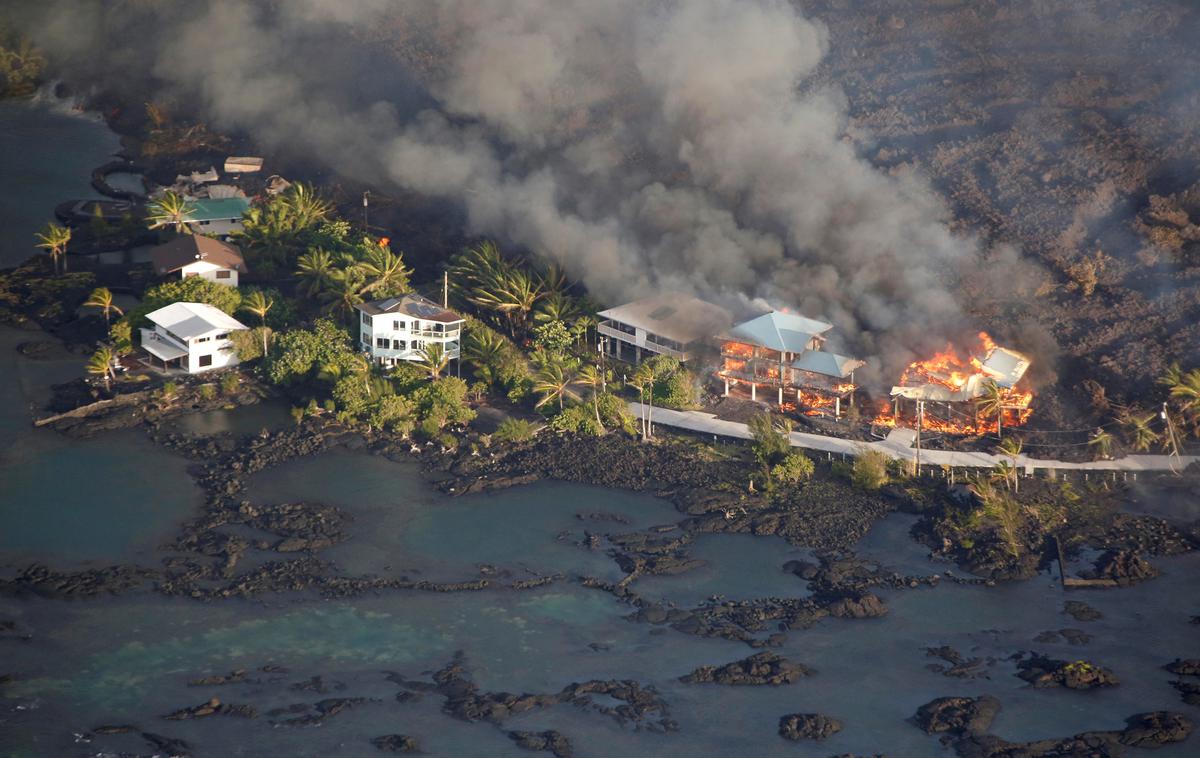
{"type": "Point", "coordinates": [168, 390]}
{"type": "Point", "coordinates": [208, 391]}
{"type": "Point", "coordinates": [514, 430]}
{"type": "Point", "coordinates": [578, 419]}
{"type": "Point", "coordinates": [297, 414]}
{"type": "Point", "coordinates": [678, 390]}
{"type": "Point", "coordinates": [230, 383]}
{"type": "Point", "coordinates": [869, 470]}
{"type": "Point", "coordinates": [795, 468]}
{"type": "Point", "coordinates": [615, 413]}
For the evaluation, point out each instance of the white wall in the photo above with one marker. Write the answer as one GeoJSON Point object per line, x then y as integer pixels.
{"type": "Point", "coordinates": [221, 350]}
{"type": "Point", "coordinates": [414, 330]}
{"type": "Point", "coordinates": [218, 227]}
{"type": "Point", "coordinates": [206, 270]}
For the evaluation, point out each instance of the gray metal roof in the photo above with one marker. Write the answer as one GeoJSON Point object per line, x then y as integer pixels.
{"type": "Point", "coordinates": [412, 305]}
{"type": "Point", "coordinates": [189, 320]}
{"type": "Point", "coordinates": [678, 317]}
{"type": "Point", "coordinates": [828, 364]}
{"type": "Point", "coordinates": [779, 331]}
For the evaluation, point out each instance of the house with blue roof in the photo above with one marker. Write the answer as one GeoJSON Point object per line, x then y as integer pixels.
{"type": "Point", "coordinates": [782, 352]}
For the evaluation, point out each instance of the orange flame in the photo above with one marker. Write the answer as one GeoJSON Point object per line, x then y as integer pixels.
{"type": "Point", "coordinates": [950, 370]}
{"type": "Point", "coordinates": [384, 241]}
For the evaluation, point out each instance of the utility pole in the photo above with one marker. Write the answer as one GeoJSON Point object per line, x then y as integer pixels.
{"type": "Point", "coordinates": [445, 289]}
{"type": "Point", "coordinates": [366, 226]}
{"type": "Point", "coordinates": [920, 418]}
{"type": "Point", "coordinates": [1171, 436]}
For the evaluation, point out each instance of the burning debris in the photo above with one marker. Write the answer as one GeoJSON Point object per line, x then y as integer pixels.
{"type": "Point", "coordinates": [943, 384]}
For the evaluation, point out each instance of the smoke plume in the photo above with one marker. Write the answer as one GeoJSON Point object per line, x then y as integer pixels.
{"type": "Point", "coordinates": [644, 145]}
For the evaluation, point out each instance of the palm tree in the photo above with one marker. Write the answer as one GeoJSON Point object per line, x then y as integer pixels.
{"type": "Point", "coordinates": [102, 298]}
{"type": "Point", "coordinates": [315, 269]}
{"type": "Point", "coordinates": [1137, 426]}
{"type": "Point", "coordinates": [644, 378]}
{"type": "Point", "coordinates": [345, 291]}
{"type": "Point", "coordinates": [475, 266]}
{"type": "Point", "coordinates": [513, 295]}
{"type": "Point", "coordinates": [306, 207]}
{"type": "Point", "coordinates": [594, 377]}
{"type": "Point", "coordinates": [556, 306]}
{"type": "Point", "coordinates": [361, 367]}
{"type": "Point", "coordinates": [258, 304]}
{"type": "Point", "coordinates": [1103, 442]}
{"type": "Point", "coordinates": [991, 403]}
{"type": "Point", "coordinates": [434, 359]}
{"type": "Point", "coordinates": [486, 350]}
{"type": "Point", "coordinates": [170, 209]}
{"type": "Point", "coordinates": [53, 239]}
{"type": "Point", "coordinates": [1011, 448]}
{"type": "Point", "coordinates": [1184, 386]}
{"type": "Point", "coordinates": [554, 381]}
{"type": "Point", "coordinates": [100, 364]}
{"type": "Point", "coordinates": [384, 269]}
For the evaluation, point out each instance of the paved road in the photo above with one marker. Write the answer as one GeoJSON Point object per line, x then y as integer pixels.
{"type": "Point", "coordinates": [899, 444]}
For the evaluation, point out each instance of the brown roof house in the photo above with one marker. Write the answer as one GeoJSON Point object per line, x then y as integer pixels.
{"type": "Point", "coordinates": [197, 255]}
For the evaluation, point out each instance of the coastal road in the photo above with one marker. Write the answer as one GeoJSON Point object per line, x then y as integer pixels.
{"type": "Point", "coordinates": [899, 444]}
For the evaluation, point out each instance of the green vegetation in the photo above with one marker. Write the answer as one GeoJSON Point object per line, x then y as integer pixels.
{"type": "Point", "coordinates": [102, 298]}
{"type": "Point", "coordinates": [169, 210]}
{"type": "Point", "coordinates": [515, 430]}
{"type": "Point", "coordinates": [796, 467]}
{"type": "Point", "coordinates": [101, 364]}
{"type": "Point", "coordinates": [54, 239]}
{"type": "Point", "coordinates": [21, 65]}
{"type": "Point", "coordinates": [869, 470]}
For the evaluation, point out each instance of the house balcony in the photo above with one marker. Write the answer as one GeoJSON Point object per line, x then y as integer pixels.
{"type": "Point", "coordinates": [162, 347]}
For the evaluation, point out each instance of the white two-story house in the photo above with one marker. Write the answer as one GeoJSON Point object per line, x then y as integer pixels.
{"type": "Point", "coordinates": [400, 328]}
{"type": "Point", "coordinates": [197, 255]}
{"type": "Point", "coordinates": [191, 336]}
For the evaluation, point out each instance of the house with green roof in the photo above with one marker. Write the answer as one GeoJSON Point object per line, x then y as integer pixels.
{"type": "Point", "coordinates": [219, 216]}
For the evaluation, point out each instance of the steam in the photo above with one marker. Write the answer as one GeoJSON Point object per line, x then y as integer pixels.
{"type": "Point", "coordinates": [645, 146]}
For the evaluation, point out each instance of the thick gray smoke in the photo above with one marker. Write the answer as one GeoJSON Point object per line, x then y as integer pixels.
{"type": "Point", "coordinates": [645, 146]}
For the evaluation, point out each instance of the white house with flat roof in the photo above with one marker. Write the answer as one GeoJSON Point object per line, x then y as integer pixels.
{"type": "Point", "coordinates": [668, 324]}
{"type": "Point", "coordinates": [191, 336]}
{"type": "Point", "coordinates": [400, 328]}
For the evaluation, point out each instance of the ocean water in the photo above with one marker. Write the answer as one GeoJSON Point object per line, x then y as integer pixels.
{"type": "Point", "coordinates": [47, 153]}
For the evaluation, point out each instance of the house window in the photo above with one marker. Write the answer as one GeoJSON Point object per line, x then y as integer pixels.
{"type": "Point", "coordinates": [418, 344]}
{"type": "Point", "coordinates": [223, 274]}
{"type": "Point", "coordinates": [396, 326]}
{"type": "Point", "coordinates": [203, 339]}
{"type": "Point", "coordinates": [205, 360]}
{"type": "Point", "coordinates": [222, 336]}
{"type": "Point", "coordinates": [366, 319]}
{"type": "Point", "coordinates": [381, 342]}
{"type": "Point", "coordinates": [398, 344]}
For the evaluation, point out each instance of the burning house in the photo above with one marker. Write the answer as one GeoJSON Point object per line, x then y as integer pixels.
{"type": "Point", "coordinates": [782, 352]}
{"type": "Point", "coordinates": [956, 396]}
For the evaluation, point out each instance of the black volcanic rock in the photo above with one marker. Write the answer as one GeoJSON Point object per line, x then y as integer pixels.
{"type": "Point", "coordinates": [958, 715]}
{"type": "Point", "coordinates": [396, 743]}
{"type": "Point", "coordinates": [760, 668]}
{"type": "Point", "coordinates": [548, 741]}
{"type": "Point", "coordinates": [808, 726]}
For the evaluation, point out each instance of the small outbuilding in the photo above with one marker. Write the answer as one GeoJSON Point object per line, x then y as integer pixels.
{"type": "Point", "coordinates": [243, 165]}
